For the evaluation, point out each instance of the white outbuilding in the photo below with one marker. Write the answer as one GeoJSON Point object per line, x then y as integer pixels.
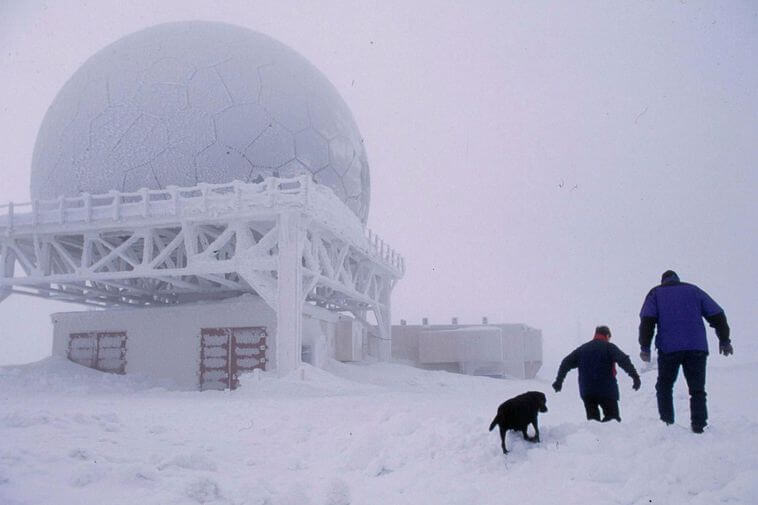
{"type": "Point", "coordinates": [502, 350]}
{"type": "Point", "coordinates": [202, 345]}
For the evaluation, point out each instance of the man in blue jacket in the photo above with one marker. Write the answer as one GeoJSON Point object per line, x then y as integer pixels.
{"type": "Point", "coordinates": [598, 387]}
{"type": "Point", "coordinates": [678, 309]}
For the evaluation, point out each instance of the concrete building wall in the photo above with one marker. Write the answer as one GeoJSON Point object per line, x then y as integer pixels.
{"type": "Point", "coordinates": [510, 350]}
{"type": "Point", "coordinates": [478, 343]}
{"type": "Point", "coordinates": [405, 342]}
{"type": "Point", "coordinates": [165, 342]}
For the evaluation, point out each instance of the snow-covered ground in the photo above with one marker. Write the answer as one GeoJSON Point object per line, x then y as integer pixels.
{"type": "Point", "coordinates": [361, 434]}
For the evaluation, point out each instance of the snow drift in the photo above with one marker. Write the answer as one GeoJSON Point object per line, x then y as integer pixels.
{"type": "Point", "coordinates": [359, 434]}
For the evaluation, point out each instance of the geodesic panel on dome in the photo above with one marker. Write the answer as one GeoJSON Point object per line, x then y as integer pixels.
{"type": "Point", "coordinates": [183, 103]}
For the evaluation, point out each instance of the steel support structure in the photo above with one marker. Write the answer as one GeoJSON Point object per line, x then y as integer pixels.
{"type": "Point", "coordinates": [290, 241]}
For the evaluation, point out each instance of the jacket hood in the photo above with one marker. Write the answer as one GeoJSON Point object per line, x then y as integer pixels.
{"type": "Point", "coordinates": [669, 277]}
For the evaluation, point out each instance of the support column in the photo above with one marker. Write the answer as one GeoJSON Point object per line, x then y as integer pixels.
{"type": "Point", "coordinates": [384, 323]}
{"type": "Point", "coordinates": [7, 268]}
{"type": "Point", "coordinates": [262, 282]}
{"type": "Point", "coordinates": [385, 348]}
{"type": "Point", "coordinates": [383, 315]}
{"type": "Point", "coordinates": [385, 352]}
{"type": "Point", "coordinates": [289, 304]}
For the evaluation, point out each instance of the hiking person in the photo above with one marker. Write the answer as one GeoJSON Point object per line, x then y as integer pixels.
{"type": "Point", "coordinates": [677, 309]}
{"type": "Point", "coordinates": [598, 388]}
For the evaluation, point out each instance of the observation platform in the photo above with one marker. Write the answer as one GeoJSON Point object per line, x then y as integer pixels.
{"type": "Point", "coordinates": [290, 241]}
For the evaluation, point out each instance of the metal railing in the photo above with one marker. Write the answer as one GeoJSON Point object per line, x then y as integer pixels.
{"type": "Point", "coordinates": [203, 199]}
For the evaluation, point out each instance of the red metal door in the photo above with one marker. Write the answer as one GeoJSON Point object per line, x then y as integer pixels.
{"type": "Point", "coordinates": [82, 348]}
{"type": "Point", "coordinates": [111, 352]}
{"type": "Point", "coordinates": [226, 353]}
{"type": "Point", "coordinates": [214, 358]}
{"type": "Point", "coordinates": [249, 351]}
{"type": "Point", "coordinates": [101, 350]}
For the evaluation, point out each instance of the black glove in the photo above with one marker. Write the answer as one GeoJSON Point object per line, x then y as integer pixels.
{"type": "Point", "coordinates": [637, 383]}
{"type": "Point", "coordinates": [557, 386]}
{"type": "Point", "coordinates": [726, 348]}
{"type": "Point", "coordinates": [645, 356]}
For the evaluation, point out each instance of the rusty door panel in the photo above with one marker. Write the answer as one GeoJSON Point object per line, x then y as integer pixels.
{"type": "Point", "coordinates": [214, 358]}
{"type": "Point", "coordinates": [101, 350]}
{"type": "Point", "coordinates": [82, 348]}
{"type": "Point", "coordinates": [249, 351]}
{"type": "Point", "coordinates": [111, 352]}
{"type": "Point", "coordinates": [226, 353]}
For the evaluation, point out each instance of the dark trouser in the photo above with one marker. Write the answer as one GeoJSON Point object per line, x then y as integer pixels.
{"type": "Point", "coordinates": [693, 365]}
{"type": "Point", "coordinates": [593, 404]}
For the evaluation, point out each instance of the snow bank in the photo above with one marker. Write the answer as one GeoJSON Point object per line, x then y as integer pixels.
{"type": "Point", "coordinates": [308, 381]}
{"type": "Point", "coordinates": [376, 433]}
{"type": "Point", "coordinates": [57, 374]}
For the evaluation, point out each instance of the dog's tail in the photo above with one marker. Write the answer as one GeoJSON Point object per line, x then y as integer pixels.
{"type": "Point", "coordinates": [495, 422]}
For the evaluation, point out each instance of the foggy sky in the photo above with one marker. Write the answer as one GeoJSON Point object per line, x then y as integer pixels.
{"type": "Point", "coordinates": [535, 162]}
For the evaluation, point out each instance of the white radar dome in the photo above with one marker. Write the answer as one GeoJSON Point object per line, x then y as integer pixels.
{"type": "Point", "coordinates": [183, 103]}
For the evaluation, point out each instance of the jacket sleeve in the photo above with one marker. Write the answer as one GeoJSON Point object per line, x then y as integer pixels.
{"type": "Point", "coordinates": [623, 361]}
{"type": "Point", "coordinates": [648, 320]}
{"type": "Point", "coordinates": [718, 323]}
{"type": "Point", "coordinates": [715, 316]}
{"type": "Point", "coordinates": [708, 305]}
{"type": "Point", "coordinates": [647, 329]}
{"type": "Point", "coordinates": [569, 363]}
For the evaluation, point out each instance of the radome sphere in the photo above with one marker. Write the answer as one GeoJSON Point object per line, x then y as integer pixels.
{"type": "Point", "coordinates": [182, 103]}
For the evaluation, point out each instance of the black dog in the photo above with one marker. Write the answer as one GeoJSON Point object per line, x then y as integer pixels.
{"type": "Point", "coordinates": [518, 413]}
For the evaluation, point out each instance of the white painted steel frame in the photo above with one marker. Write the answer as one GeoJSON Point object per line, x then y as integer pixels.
{"type": "Point", "coordinates": [291, 241]}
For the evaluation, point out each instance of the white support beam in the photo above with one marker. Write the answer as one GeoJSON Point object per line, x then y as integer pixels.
{"type": "Point", "coordinates": [7, 268]}
{"type": "Point", "coordinates": [69, 299]}
{"type": "Point", "coordinates": [384, 323]}
{"type": "Point", "coordinates": [289, 296]}
{"type": "Point", "coordinates": [263, 284]}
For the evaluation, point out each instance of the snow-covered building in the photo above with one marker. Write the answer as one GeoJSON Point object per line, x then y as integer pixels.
{"type": "Point", "coordinates": [505, 350]}
{"type": "Point", "coordinates": [207, 189]}
{"type": "Point", "coordinates": [206, 345]}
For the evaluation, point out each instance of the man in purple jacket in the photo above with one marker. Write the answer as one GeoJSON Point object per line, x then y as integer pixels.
{"type": "Point", "coordinates": [678, 309]}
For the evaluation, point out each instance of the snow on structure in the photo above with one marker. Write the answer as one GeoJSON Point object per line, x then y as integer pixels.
{"type": "Point", "coordinates": [195, 346]}
{"type": "Point", "coordinates": [509, 350]}
{"type": "Point", "coordinates": [292, 242]}
{"type": "Point", "coordinates": [197, 102]}
{"type": "Point", "coordinates": [195, 162]}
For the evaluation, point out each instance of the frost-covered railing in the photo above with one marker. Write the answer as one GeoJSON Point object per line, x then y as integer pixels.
{"type": "Point", "coordinates": [203, 199]}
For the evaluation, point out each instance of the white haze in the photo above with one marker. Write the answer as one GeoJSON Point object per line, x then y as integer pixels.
{"type": "Point", "coordinates": [535, 162]}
